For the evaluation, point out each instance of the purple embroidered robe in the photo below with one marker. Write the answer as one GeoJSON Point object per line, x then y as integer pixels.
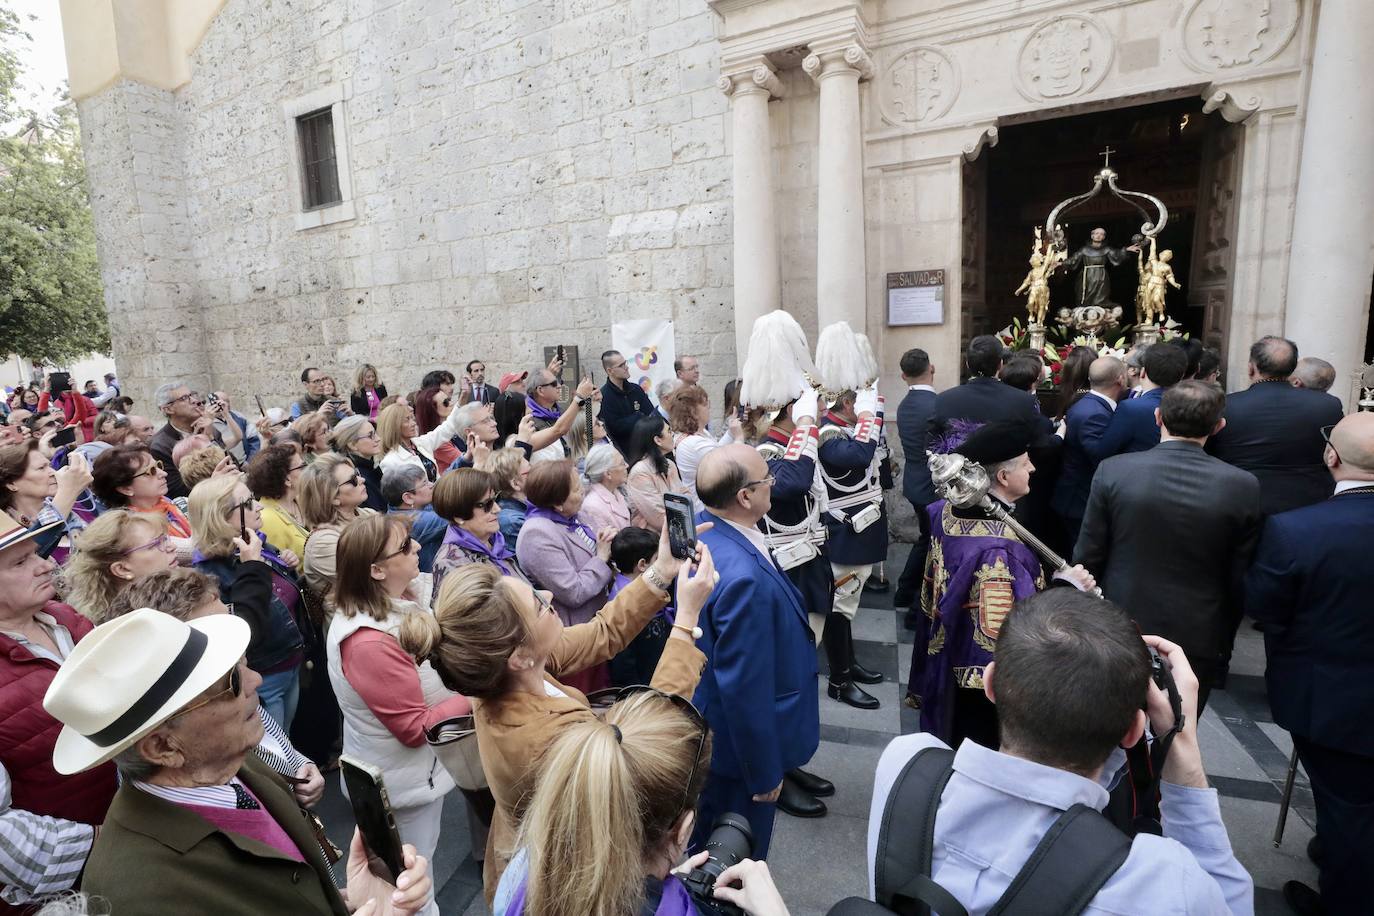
{"type": "Point", "coordinates": [976, 570]}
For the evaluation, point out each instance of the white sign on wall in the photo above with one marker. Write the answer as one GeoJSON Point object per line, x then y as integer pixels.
{"type": "Point", "coordinates": [647, 346]}
{"type": "Point", "coordinates": [915, 297]}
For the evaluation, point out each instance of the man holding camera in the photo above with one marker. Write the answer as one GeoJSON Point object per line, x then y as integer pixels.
{"type": "Point", "coordinates": [1072, 684]}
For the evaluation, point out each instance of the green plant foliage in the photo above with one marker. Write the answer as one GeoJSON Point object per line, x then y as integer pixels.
{"type": "Point", "coordinates": [51, 303]}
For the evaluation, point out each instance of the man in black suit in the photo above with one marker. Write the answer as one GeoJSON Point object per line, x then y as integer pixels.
{"type": "Point", "coordinates": [1084, 426]}
{"type": "Point", "coordinates": [913, 418]}
{"type": "Point", "coordinates": [1133, 427]}
{"type": "Point", "coordinates": [1273, 430]}
{"type": "Point", "coordinates": [1169, 532]}
{"type": "Point", "coordinates": [984, 398]}
{"type": "Point", "coordinates": [475, 381]}
{"type": "Point", "coordinates": [1309, 590]}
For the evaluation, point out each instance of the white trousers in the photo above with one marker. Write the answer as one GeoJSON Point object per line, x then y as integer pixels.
{"type": "Point", "coordinates": [419, 826]}
{"type": "Point", "coordinates": [847, 596]}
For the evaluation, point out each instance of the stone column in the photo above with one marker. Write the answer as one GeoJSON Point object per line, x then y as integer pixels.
{"type": "Point", "coordinates": [1332, 254]}
{"type": "Point", "coordinates": [841, 276]}
{"type": "Point", "coordinates": [757, 267]}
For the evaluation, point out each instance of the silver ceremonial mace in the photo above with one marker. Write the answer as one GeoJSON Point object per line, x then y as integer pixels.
{"type": "Point", "coordinates": [965, 484]}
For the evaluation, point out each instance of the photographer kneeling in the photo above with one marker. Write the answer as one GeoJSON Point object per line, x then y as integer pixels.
{"type": "Point", "coordinates": [612, 812]}
{"type": "Point", "coordinates": [1072, 684]}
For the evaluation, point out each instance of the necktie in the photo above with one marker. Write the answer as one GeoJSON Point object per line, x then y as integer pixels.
{"type": "Point", "coordinates": [242, 800]}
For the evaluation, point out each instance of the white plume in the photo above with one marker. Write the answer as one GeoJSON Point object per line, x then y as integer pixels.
{"type": "Point", "coordinates": [870, 360]}
{"type": "Point", "coordinates": [840, 362]}
{"type": "Point", "coordinates": [777, 362]}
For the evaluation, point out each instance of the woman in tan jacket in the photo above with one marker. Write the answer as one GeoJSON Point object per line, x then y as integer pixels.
{"type": "Point", "coordinates": [499, 642]}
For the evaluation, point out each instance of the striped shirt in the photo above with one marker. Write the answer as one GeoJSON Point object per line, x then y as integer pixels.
{"type": "Point", "coordinates": [39, 855]}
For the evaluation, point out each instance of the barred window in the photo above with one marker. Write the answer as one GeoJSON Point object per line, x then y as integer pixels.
{"type": "Point", "coordinates": [319, 161]}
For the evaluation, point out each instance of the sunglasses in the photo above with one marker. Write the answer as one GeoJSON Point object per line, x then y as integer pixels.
{"type": "Point", "coordinates": [1326, 437]}
{"type": "Point", "coordinates": [606, 698]}
{"type": "Point", "coordinates": [156, 543]}
{"type": "Point", "coordinates": [546, 385]}
{"type": "Point", "coordinates": [487, 505]}
{"type": "Point", "coordinates": [411, 546]}
{"type": "Point", "coordinates": [151, 470]}
{"type": "Point", "coordinates": [354, 480]}
{"type": "Point", "coordinates": [444, 402]}
{"type": "Point", "coordinates": [235, 688]}
{"type": "Point", "coordinates": [245, 504]}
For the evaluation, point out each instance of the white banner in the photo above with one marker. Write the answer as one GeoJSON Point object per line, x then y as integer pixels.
{"type": "Point", "coordinates": [647, 346]}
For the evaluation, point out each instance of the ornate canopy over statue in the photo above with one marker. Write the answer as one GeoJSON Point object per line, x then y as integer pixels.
{"type": "Point", "coordinates": [1094, 310]}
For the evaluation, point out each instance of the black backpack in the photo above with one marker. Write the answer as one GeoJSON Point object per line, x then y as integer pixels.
{"type": "Point", "coordinates": [1072, 861]}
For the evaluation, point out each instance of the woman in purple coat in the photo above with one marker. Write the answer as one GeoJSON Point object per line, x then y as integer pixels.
{"type": "Point", "coordinates": [560, 554]}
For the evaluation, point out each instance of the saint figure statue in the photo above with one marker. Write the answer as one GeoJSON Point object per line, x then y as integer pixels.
{"type": "Point", "coordinates": [1094, 285]}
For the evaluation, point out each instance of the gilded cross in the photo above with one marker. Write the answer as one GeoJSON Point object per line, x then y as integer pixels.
{"type": "Point", "coordinates": [1105, 154]}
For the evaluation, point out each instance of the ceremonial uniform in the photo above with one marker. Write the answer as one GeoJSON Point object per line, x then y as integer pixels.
{"type": "Point", "coordinates": [851, 469]}
{"type": "Point", "coordinates": [977, 568]}
{"type": "Point", "coordinates": [793, 528]}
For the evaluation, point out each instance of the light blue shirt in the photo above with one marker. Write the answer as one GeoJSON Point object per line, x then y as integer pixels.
{"type": "Point", "coordinates": [996, 808]}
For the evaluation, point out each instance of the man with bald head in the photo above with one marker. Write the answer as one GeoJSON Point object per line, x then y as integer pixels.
{"type": "Point", "coordinates": [759, 689]}
{"type": "Point", "coordinates": [1309, 590]}
{"type": "Point", "coordinates": [1084, 426]}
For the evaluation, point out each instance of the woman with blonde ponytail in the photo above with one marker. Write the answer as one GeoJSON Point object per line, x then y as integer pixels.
{"type": "Point", "coordinates": [612, 814]}
{"type": "Point", "coordinates": [499, 642]}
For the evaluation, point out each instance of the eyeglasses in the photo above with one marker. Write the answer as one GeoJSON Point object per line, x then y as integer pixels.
{"type": "Point", "coordinates": [619, 365]}
{"type": "Point", "coordinates": [156, 543]}
{"type": "Point", "coordinates": [185, 397]}
{"type": "Point", "coordinates": [608, 697]}
{"type": "Point", "coordinates": [354, 480]}
{"type": "Point", "coordinates": [235, 687]}
{"type": "Point", "coordinates": [245, 504]}
{"type": "Point", "coordinates": [151, 470]}
{"type": "Point", "coordinates": [749, 485]}
{"type": "Point", "coordinates": [1326, 437]}
{"type": "Point", "coordinates": [486, 505]}
{"type": "Point", "coordinates": [546, 385]}
{"type": "Point", "coordinates": [372, 435]}
{"type": "Point", "coordinates": [294, 468]}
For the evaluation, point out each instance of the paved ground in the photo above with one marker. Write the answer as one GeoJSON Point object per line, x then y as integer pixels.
{"type": "Point", "coordinates": [817, 862]}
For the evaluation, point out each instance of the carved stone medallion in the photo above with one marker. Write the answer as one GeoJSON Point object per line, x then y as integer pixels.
{"type": "Point", "coordinates": [1225, 34]}
{"type": "Point", "coordinates": [918, 86]}
{"type": "Point", "coordinates": [1063, 56]}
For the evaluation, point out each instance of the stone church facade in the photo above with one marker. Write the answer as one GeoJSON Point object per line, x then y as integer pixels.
{"type": "Point", "coordinates": [413, 183]}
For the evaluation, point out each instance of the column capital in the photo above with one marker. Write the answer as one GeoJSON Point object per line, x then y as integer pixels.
{"type": "Point", "coordinates": [749, 75]}
{"type": "Point", "coordinates": [825, 60]}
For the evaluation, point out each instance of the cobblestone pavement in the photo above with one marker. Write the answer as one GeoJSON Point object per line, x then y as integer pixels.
{"type": "Point", "coordinates": [817, 862]}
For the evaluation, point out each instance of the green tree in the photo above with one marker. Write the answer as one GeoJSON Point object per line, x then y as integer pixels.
{"type": "Point", "coordinates": [51, 304]}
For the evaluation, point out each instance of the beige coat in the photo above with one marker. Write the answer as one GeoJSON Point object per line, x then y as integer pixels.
{"type": "Point", "coordinates": [514, 730]}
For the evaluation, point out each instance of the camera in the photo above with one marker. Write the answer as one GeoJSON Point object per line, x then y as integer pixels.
{"type": "Point", "coordinates": [731, 842]}
{"type": "Point", "coordinates": [1162, 675]}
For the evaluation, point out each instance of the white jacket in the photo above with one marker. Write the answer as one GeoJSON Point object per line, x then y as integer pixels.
{"type": "Point", "coordinates": [425, 444]}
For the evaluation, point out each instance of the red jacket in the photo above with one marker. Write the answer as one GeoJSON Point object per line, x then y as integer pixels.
{"type": "Point", "coordinates": [77, 408]}
{"type": "Point", "coordinates": [28, 734]}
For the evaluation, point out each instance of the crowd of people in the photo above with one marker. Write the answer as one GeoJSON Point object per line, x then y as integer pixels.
{"type": "Point", "coordinates": [200, 617]}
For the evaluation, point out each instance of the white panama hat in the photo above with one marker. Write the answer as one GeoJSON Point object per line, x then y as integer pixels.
{"type": "Point", "coordinates": [132, 674]}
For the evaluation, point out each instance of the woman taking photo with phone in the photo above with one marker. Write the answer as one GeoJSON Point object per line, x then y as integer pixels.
{"type": "Point", "coordinates": [258, 582]}
{"type": "Point", "coordinates": [500, 643]}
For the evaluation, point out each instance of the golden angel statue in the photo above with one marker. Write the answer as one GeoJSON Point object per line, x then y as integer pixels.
{"type": "Point", "coordinates": [1154, 274]}
{"type": "Point", "coordinates": [1043, 260]}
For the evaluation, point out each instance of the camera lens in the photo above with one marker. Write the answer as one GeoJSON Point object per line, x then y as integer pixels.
{"type": "Point", "coordinates": [731, 842]}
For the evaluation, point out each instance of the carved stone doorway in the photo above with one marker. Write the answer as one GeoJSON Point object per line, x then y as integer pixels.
{"type": "Point", "coordinates": [1170, 149]}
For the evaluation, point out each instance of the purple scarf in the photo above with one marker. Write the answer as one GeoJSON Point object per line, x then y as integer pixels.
{"type": "Point", "coordinates": [540, 412]}
{"type": "Point", "coordinates": [674, 902]}
{"type": "Point", "coordinates": [496, 551]}
{"type": "Point", "coordinates": [574, 525]}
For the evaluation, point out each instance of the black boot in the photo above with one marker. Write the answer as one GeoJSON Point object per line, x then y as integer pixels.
{"type": "Point", "coordinates": [838, 653]}
{"type": "Point", "coordinates": [858, 672]}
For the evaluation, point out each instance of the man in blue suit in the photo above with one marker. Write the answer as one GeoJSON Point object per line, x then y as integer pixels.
{"type": "Point", "coordinates": [1133, 427]}
{"type": "Point", "coordinates": [1084, 426]}
{"type": "Point", "coordinates": [1309, 590]}
{"type": "Point", "coordinates": [759, 690]}
{"type": "Point", "coordinates": [913, 419]}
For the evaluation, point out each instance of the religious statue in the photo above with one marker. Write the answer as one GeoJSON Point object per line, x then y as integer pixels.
{"type": "Point", "coordinates": [1094, 286]}
{"type": "Point", "coordinates": [1043, 260]}
{"type": "Point", "coordinates": [1155, 273]}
